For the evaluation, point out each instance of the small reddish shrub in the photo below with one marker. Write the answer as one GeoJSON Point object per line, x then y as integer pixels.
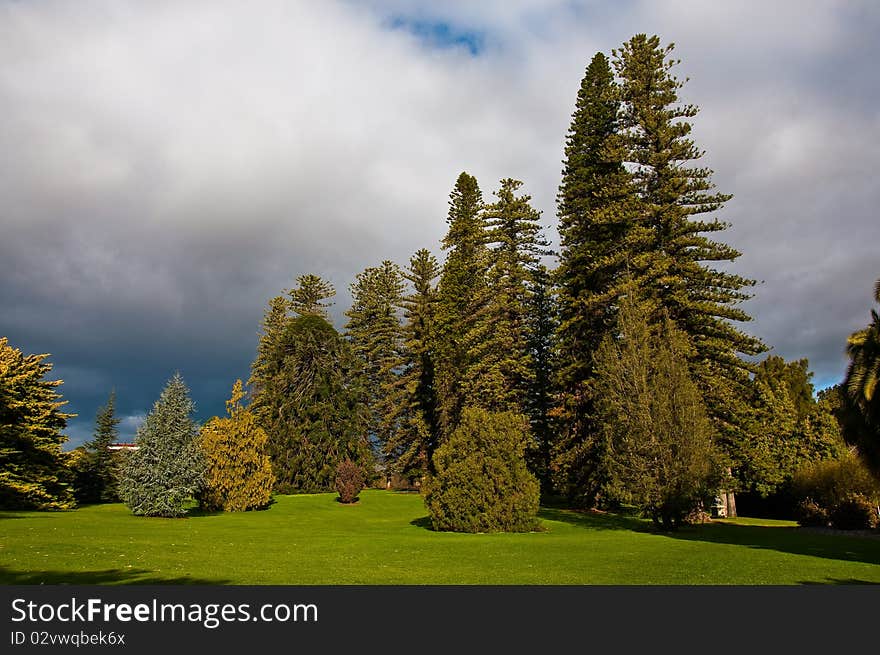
{"type": "Point", "coordinates": [349, 481]}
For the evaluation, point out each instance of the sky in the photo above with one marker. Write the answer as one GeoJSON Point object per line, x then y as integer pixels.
{"type": "Point", "coordinates": [167, 167]}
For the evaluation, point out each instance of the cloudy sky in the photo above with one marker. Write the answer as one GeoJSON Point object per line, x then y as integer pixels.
{"type": "Point", "coordinates": [167, 167]}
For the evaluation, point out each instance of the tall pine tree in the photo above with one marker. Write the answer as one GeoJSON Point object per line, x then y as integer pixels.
{"type": "Point", "coordinates": [101, 461]}
{"type": "Point", "coordinates": [500, 370]}
{"type": "Point", "coordinates": [599, 235]}
{"type": "Point", "coordinates": [308, 395]}
{"type": "Point", "coordinates": [375, 334]}
{"type": "Point", "coordinates": [461, 289]}
{"type": "Point", "coordinates": [412, 416]}
{"type": "Point", "coordinates": [676, 196]}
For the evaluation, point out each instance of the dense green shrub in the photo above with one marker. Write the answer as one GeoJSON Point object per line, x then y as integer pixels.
{"type": "Point", "coordinates": [810, 514]}
{"type": "Point", "coordinates": [481, 483]}
{"type": "Point", "coordinates": [829, 482]}
{"type": "Point", "coordinates": [855, 512]}
{"type": "Point", "coordinates": [349, 481]}
{"type": "Point", "coordinates": [843, 490]}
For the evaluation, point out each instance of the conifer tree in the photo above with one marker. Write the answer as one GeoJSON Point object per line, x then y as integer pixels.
{"type": "Point", "coordinates": [32, 468]}
{"type": "Point", "coordinates": [599, 236]}
{"type": "Point", "coordinates": [309, 398]}
{"type": "Point", "coordinates": [678, 273]}
{"type": "Point", "coordinates": [376, 338]}
{"type": "Point", "coordinates": [167, 470]}
{"type": "Point", "coordinates": [101, 475]}
{"type": "Point", "coordinates": [500, 370]}
{"type": "Point", "coordinates": [541, 394]}
{"type": "Point", "coordinates": [310, 294]}
{"type": "Point", "coordinates": [660, 449]}
{"type": "Point", "coordinates": [460, 290]}
{"type": "Point", "coordinates": [411, 420]}
{"type": "Point", "coordinates": [481, 482]}
{"type": "Point", "coordinates": [239, 473]}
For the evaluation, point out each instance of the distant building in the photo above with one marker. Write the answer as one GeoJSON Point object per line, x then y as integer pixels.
{"type": "Point", "coordinates": [122, 446]}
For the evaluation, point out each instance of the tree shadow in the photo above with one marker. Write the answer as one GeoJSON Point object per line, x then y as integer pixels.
{"type": "Point", "coordinates": [838, 581]}
{"type": "Point", "coordinates": [787, 540]}
{"type": "Point", "coordinates": [423, 522]}
{"type": "Point", "coordinates": [848, 548]}
{"type": "Point", "coordinates": [103, 577]}
{"type": "Point", "coordinates": [595, 520]}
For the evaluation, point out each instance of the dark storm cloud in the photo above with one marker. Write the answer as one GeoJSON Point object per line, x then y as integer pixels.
{"type": "Point", "coordinates": [168, 167]}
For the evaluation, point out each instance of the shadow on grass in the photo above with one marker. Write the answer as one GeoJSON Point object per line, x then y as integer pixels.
{"type": "Point", "coordinates": [423, 522]}
{"type": "Point", "coordinates": [105, 577]}
{"type": "Point", "coordinates": [838, 581]}
{"type": "Point", "coordinates": [785, 539]}
{"type": "Point", "coordinates": [595, 520]}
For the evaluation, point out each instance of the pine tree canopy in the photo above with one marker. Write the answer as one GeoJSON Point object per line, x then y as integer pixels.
{"type": "Point", "coordinates": [309, 295]}
{"type": "Point", "coordinates": [167, 470]}
{"type": "Point", "coordinates": [32, 468]}
{"type": "Point", "coordinates": [460, 292]}
{"type": "Point", "coordinates": [102, 462]}
{"type": "Point", "coordinates": [375, 334]}
{"type": "Point", "coordinates": [411, 416]}
{"type": "Point", "coordinates": [500, 370]}
{"type": "Point", "coordinates": [674, 193]}
{"type": "Point", "coordinates": [309, 397]}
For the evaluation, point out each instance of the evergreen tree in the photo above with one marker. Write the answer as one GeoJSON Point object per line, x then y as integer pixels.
{"type": "Point", "coordinates": [599, 236]}
{"type": "Point", "coordinates": [411, 419]}
{"type": "Point", "coordinates": [460, 290]}
{"type": "Point", "coordinates": [239, 473]}
{"type": "Point", "coordinates": [309, 398]}
{"type": "Point", "coordinates": [309, 295]}
{"type": "Point", "coordinates": [99, 483]}
{"type": "Point", "coordinates": [661, 454]}
{"type": "Point", "coordinates": [167, 470]}
{"type": "Point", "coordinates": [500, 370]}
{"type": "Point", "coordinates": [269, 356]}
{"type": "Point", "coordinates": [375, 335]}
{"type": "Point", "coordinates": [481, 483]}
{"type": "Point", "coordinates": [676, 272]}
{"type": "Point", "coordinates": [540, 398]}
{"type": "Point", "coordinates": [33, 474]}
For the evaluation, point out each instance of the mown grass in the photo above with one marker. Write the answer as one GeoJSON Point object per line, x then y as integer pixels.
{"type": "Point", "coordinates": [385, 539]}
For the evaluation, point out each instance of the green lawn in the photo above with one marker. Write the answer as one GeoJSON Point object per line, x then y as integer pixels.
{"type": "Point", "coordinates": [384, 540]}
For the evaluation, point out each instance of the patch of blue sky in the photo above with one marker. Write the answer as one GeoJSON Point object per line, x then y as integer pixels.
{"type": "Point", "coordinates": [440, 34]}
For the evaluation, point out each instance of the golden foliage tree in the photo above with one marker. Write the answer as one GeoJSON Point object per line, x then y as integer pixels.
{"type": "Point", "coordinates": [239, 473]}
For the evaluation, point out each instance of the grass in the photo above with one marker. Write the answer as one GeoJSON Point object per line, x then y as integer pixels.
{"type": "Point", "coordinates": [385, 539]}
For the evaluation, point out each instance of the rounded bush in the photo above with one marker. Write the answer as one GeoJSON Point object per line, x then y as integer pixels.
{"type": "Point", "coordinates": [855, 512]}
{"type": "Point", "coordinates": [349, 481]}
{"type": "Point", "coordinates": [481, 483]}
{"type": "Point", "coordinates": [810, 514]}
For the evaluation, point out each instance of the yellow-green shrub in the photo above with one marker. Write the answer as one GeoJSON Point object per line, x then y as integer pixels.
{"type": "Point", "coordinates": [239, 475]}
